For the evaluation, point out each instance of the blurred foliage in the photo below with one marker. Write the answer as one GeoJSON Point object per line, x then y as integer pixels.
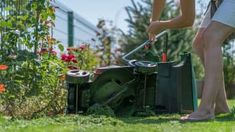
{"type": "Point", "coordinates": [106, 41]}
{"type": "Point", "coordinates": [139, 16]}
{"type": "Point", "coordinates": [229, 66]}
{"type": "Point", "coordinates": [108, 51]}
{"type": "Point", "coordinates": [229, 63]}
{"type": "Point", "coordinates": [179, 40]}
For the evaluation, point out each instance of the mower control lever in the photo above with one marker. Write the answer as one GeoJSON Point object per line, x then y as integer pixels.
{"type": "Point", "coordinates": [148, 42]}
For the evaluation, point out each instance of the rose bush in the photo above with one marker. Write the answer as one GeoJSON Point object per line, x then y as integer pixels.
{"type": "Point", "coordinates": [82, 57]}
{"type": "Point", "coordinates": [30, 81]}
{"type": "Point", "coordinates": [32, 77]}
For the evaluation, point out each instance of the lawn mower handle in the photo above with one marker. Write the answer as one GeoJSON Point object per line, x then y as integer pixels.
{"type": "Point", "coordinates": [147, 43]}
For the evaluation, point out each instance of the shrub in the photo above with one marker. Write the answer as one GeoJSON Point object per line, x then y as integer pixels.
{"type": "Point", "coordinates": [31, 85]}
{"type": "Point", "coordinates": [34, 88]}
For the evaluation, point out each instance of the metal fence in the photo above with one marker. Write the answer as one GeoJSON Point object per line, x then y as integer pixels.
{"type": "Point", "coordinates": [70, 28]}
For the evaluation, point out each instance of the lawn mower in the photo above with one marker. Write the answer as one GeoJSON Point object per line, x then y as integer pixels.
{"type": "Point", "coordinates": [137, 87]}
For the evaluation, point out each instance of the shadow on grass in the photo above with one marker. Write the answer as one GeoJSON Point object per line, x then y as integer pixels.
{"type": "Point", "coordinates": [151, 120]}
{"type": "Point", "coordinates": [158, 119]}
{"type": "Point", "coordinates": [227, 117]}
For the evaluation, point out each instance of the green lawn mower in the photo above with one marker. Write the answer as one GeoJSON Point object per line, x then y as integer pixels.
{"type": "Point", "coordinates": [137, 88]}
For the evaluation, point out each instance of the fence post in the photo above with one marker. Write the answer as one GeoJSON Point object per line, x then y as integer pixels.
{"type": "Point", "coordinates": [70, 29]}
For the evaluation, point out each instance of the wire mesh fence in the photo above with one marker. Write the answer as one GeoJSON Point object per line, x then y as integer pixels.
{"type": "Point", "coordinates": [70, 28]}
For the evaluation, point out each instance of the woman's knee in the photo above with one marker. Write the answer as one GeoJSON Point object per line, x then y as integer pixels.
{"type": "Point", "coordinates": [197, 45]}
{"type": "Point", "coordinates": [198, 42]}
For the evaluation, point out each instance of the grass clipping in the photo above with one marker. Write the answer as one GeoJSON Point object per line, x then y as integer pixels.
{"type": "Point", "coordinates": [98, 109]}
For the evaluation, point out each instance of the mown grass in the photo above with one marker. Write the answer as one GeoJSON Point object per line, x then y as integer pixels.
{"type": "Point", "coordinates": [165, 123]}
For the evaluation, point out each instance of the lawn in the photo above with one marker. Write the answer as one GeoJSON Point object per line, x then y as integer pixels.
{"type": "Point", "coordinates": [166, 123]}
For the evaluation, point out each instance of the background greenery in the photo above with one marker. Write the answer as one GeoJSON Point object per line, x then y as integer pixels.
{"type": "Point", "coordinates": [180, 40]}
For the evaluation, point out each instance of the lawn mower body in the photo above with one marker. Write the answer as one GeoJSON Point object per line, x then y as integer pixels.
{"type": "Point", "coordinates": [162, 87]}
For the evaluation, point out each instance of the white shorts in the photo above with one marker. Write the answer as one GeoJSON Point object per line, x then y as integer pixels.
{"type": "Point", "coordinates": [225, 14]}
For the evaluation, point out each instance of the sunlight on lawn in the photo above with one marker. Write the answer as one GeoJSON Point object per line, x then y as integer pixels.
{"type": "Point", "coordinates": [165, 122]}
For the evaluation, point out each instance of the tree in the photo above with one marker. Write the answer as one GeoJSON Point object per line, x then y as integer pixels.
{"type": "Point", "coordinates": [180, 40]}
{"type": "Point", "coordinates": [139, 15]}
{"type": "Point", "coordinates": [109, 37]}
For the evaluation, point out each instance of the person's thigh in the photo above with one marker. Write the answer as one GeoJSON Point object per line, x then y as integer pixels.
{"type": "Point", "coordinates": [216, 33]}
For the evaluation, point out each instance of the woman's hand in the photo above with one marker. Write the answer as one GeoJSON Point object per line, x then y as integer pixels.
{"type": "Point", "coordinates": [154, 28]}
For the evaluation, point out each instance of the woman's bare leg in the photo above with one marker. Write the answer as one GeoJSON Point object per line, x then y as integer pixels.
{"type": "Point", "coordinates": [221, 105]}
{"type": "Point", "coordinates": [213, 37]}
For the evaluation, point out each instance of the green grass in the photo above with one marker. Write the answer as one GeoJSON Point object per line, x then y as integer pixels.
{"type": "Point", "coordinates": [166, 123]}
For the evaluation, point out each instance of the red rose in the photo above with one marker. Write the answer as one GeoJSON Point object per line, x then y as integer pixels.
{"type": "Point", "coordinates": [71, 57]}
{"type": "Point", "coordinates": [64, 57]}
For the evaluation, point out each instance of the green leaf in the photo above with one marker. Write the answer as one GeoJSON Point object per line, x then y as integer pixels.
{"type": "Point", "coordinates": [61, 47]}
{"type": "Point", "coordinates": [5, 24]}
{"type": "Point", "coordinates": [8, 8]}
